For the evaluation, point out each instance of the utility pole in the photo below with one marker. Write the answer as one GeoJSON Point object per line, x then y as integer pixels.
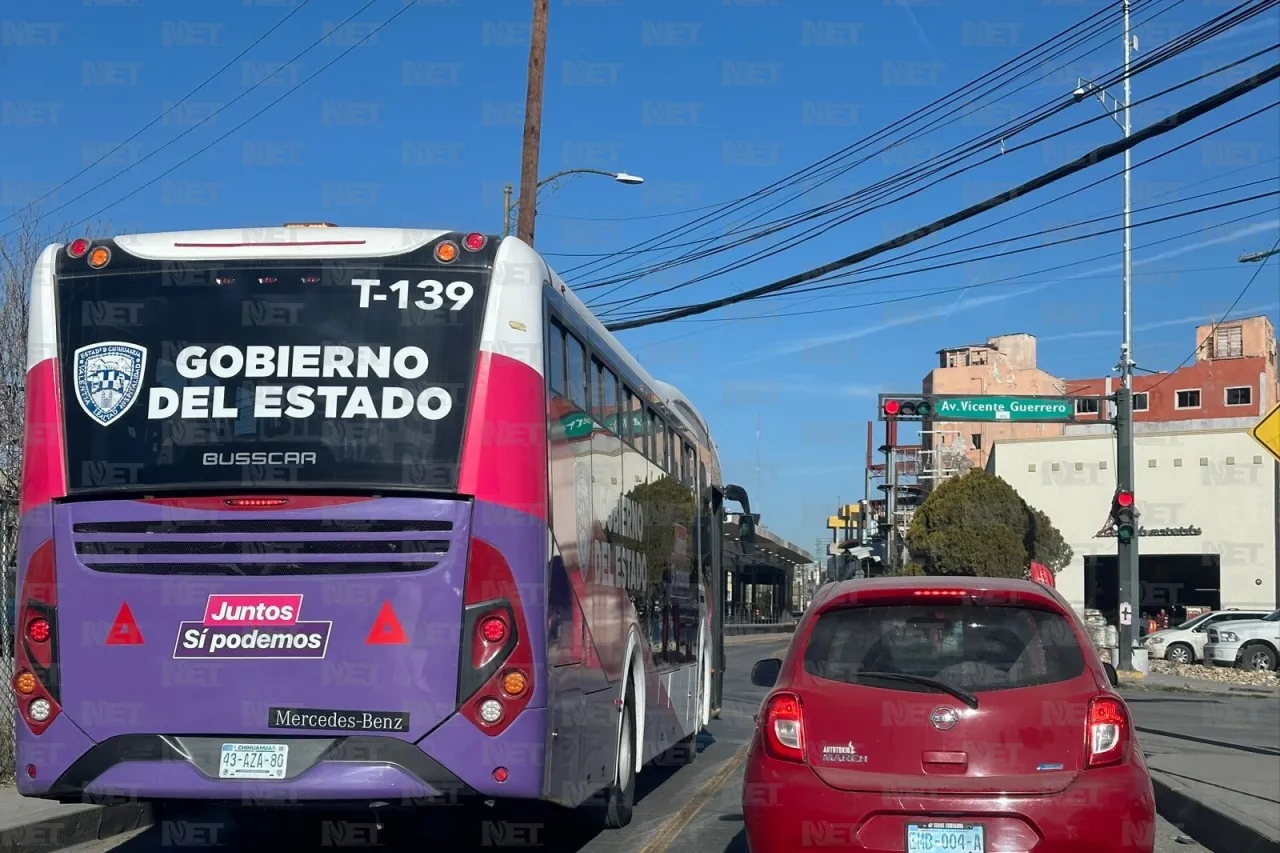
{"type": "Point", "coordinates": [891, 496]}
{"type": "Point", "coordinates": [506, 210]}
{"type": "Point", "coordinates": [1127, 552]}
{"type": "Point", "coordinates": [528, 203]}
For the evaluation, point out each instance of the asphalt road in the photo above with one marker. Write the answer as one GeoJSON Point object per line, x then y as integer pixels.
{"type": "Point", "coordinates": [693, 809]}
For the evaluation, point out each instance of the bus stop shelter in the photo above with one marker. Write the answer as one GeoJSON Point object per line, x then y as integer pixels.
{"type": "Point", "coordinates": [758, 586]}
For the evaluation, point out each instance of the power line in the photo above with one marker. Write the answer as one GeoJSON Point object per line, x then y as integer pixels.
{"type": "Point", "coordinates": [1097, 155]}
{"type": "Point", "coordinates": [879, 202]}
{"type": "Point", "coordinates": [215, 113]}
{"type": "Point", "coordinates": [1214, 330]}
{"type": "Point", "coordinates": [406, 7]}
{"type": "Point", "coordinates": [635, 300]}
{"type": "Point", "coordinates": [259, 40]}
{"type": "Point", "coordinates": [1063, 242]}
{"type": "Point", "coordinates": [1019, 61]}
{"type": "Point", "coordinates": [1187, 41]}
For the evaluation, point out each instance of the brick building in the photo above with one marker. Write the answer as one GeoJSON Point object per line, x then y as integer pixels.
{"type": "Point", "coordinates": [1232, 382]}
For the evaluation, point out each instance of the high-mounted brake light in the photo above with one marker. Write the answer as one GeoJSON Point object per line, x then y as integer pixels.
{"type": "Point", "coordinates": [266, 280]}
{"type": "Point", "coordinates": [99, 257]}
{"type": "Point", "coordinates": [78, 247]}
{"type": "Point", "coordinates": [784, 727]}
{"type": "Point", "coordinates": [1107, 732]}
{"type": "Point", "coordinates": [935, 593]}
{"type": "Point", "coordinates": [447, 252]}
{"type": "Point", "coordinates": [309, 225]}
{"type": "Point", "coordinates": [475, 242]}
{"type": "Point", "coordinates": [252, 502]}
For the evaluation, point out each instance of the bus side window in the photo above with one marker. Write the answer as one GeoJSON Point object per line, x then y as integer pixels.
{"type": "Point", "coordinates": [597, 390]}
{"type": "Point", "coordinates": [576, 372]}
{"type": "Point", "coordinates": [702, 479]}
{"type": "Point", "coordinates": [660, 442]}
{"type": "Point", "coordinates": [677, 456]}
{"type": "Point", "coordinates": [651, 427]}
{"type": "Point", "coordinates": [555, 358]}
{"type": "Point", "coordinates": [610, 404]}
{"type": "Point", "coordinates": [627, 418]}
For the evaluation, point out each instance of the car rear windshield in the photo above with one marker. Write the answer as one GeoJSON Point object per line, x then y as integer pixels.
{"type": "Point", "coordinates": [975, 648]}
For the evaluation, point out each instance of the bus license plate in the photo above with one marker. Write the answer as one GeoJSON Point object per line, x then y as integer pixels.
{"type": "Point", "coordinates": [944, 838]}
{"type": "Point", "coordinates": [253, 761]}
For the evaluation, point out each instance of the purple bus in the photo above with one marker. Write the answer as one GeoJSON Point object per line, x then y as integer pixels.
{"type": "Point", "coordinates": [353, 515]}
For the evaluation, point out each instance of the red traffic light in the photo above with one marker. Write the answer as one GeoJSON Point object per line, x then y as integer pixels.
{"type": "Point", "coordinates": [1124, 498]}
{"type": "Point", "coordinates": [892, 407]}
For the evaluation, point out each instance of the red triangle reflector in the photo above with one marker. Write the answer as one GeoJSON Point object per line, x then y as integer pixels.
{"type": "Point", "coordinates": [124, 632]}
{"type": "Point", "coordinates": [386, 629]}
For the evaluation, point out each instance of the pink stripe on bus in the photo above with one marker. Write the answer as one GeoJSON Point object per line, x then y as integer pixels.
{"type": "Point", "coordinates": [504, 453]}
{"type": "Point", "coordinates": [44, 461]}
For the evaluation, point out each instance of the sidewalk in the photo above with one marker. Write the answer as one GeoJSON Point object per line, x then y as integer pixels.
{"type": "Point", "coordinates": [29, 825]}
{"type": "Point", "coordinates": [1158, 681]}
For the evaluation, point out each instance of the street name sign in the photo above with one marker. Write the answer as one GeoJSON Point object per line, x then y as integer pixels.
{"type": "Point", "coordinates": [1013, 409]}
{"type": "Point", "coordinates": [1267, 432]}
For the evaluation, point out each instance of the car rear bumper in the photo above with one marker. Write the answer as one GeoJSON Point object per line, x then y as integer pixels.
{"type": "Point", "coordinates": [787, 808]}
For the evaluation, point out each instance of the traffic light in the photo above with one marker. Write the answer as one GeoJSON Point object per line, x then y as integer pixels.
{"type": "Point", "coordinates": [1123, 515]}
{"type": "Point", "coordinates": [901, 407]}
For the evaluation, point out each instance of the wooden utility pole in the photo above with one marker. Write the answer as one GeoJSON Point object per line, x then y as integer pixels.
{"type": "Point", "coordinates": [528, 204]}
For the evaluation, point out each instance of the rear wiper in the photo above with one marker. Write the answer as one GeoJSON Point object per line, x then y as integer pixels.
{"type": "Point", "coordinates": [963, 695]}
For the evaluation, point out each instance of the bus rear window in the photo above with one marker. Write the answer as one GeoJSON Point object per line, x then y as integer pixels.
{"type": "Point", "coordinates": [241, 376]}
{"type": "Point", "coordinates": [973, 647]}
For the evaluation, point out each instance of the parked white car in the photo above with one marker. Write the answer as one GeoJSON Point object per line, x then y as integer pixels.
{"type": "Point", "coordinates": [1185, 643]}
{"type": "Point", "coordinates": [1251, 644]}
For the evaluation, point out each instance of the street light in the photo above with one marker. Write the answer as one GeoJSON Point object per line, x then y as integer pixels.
{"type": "Point", "coordinates": [556, 178]}
{"type": "Point", "coordinates": [1258, 256]}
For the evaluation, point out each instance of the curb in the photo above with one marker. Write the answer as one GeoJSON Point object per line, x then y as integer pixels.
{"type": "Point", "coordinates": [85, 824]}
{"type": "Point", "coordinates": [1213, 829]}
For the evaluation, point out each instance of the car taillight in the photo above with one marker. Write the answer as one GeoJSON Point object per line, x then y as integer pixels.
{"type": "Point", "coordinates": [496, 657]}
{"type": "Point", "coordinates": [36, 681]}
{"type": "Point", "coordinates": [784, 727]}
{"type": "Point", "coordinates": [1107, 732]}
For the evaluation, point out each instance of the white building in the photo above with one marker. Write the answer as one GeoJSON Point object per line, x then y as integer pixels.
{"type": "Point", "coordinates": [1209, 515]}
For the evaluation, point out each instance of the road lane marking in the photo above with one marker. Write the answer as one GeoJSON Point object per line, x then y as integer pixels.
{"type": "Point", "coordinates": [676, 824]}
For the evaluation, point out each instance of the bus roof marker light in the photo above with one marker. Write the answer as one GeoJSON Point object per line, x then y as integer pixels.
{"type": "Point", "coordinates": [78, 247]}
{"type": "Point", "coordinates": [474, 242]}
{"type": "Point", "coordinates": [99, 257]}
{"type": "Point", "coordinates": [447, 252]}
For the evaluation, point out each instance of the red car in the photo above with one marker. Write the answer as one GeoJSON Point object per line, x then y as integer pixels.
{"type": "Point", "coordinates": [965, 715]}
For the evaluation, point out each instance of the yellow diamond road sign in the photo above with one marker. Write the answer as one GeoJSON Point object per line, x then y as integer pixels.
{"type": "Point", "coordinates": [1267, 432]}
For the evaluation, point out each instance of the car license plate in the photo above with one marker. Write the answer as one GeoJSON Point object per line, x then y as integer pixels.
{"type": "Point", "coordinates": [944, 838]}
{"type": "Point", "coordinates": [253, 761]}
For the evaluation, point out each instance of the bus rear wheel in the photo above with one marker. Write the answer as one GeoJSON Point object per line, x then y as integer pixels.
{"type": "Point", "coordinates": [615, 809]}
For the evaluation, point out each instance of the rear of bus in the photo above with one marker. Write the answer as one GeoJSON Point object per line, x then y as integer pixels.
{"type": "Point", "coordinates": [283, 519]}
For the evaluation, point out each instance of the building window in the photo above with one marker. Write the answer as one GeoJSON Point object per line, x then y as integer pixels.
{"type": "Point", "coordinates": [1086, 407]}
{"type": "Point", "coordinates": [1228, 342]}
{"type": "Point", "coordinates": [976, 440]}
{"type": "Point", "coordinates": [1189, 399]}
{"type": "Point", "coordinates": [977, 357]}
{"type": "Point", "coordinates": [1141, 402]}
{"type": "Point", "coordinates": [1242, 396]}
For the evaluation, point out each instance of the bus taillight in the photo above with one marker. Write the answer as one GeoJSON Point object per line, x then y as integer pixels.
{"type": "Point", "coordinates": [495, 655]}
{"type": "Point", "coordinates": [36, 681]}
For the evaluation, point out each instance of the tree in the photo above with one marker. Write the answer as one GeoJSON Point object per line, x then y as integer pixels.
{"type": "Point", "coordinates": [977, 524]}
{"type": "Point", "coordinates": [1045, 543]}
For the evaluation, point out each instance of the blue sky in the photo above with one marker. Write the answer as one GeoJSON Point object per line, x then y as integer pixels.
{"type": "Point", "coordinates": [708, 101]}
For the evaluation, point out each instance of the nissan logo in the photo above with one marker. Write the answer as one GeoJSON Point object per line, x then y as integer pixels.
{"type": "Point", "coordinates": [944, 719]}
